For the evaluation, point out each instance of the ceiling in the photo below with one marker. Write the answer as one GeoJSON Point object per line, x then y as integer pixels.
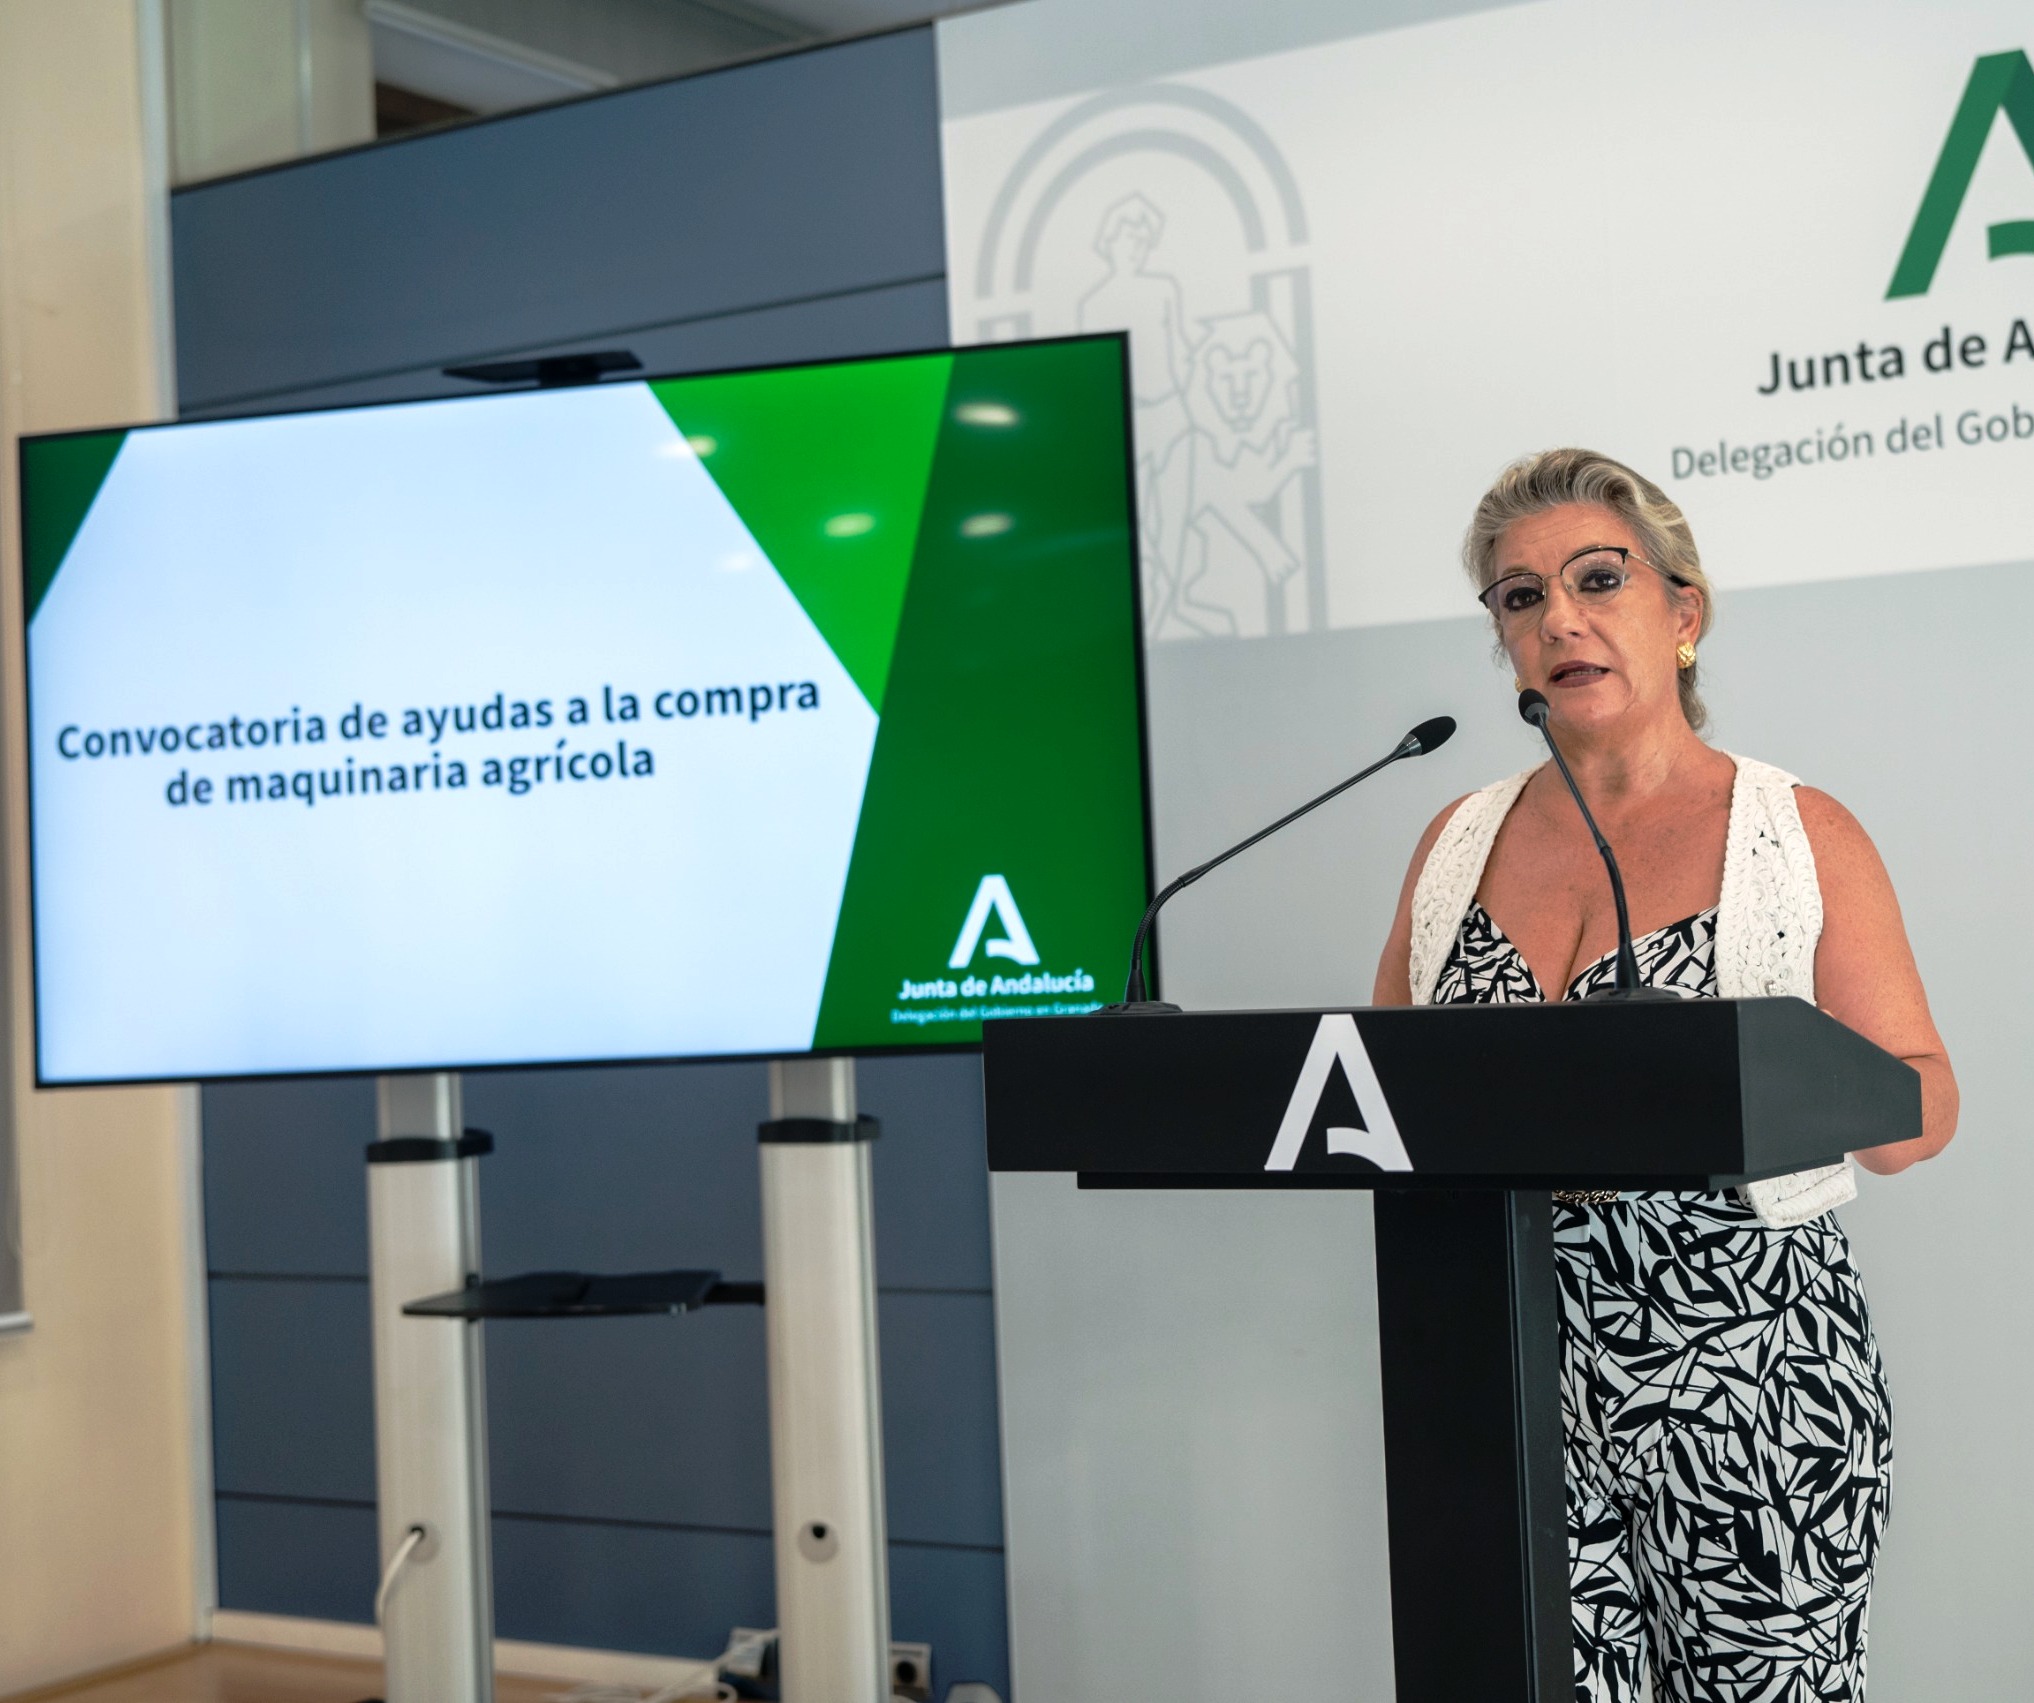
{"type": "Point", "coordinates": [483, 56]}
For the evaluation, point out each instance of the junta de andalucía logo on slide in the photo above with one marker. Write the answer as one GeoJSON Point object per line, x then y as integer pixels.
{"type": "Point", "coordinates": [1033, 993]}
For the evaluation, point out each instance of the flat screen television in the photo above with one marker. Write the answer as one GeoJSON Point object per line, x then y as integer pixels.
{"type": "Point", "coordinates": [752, 713]}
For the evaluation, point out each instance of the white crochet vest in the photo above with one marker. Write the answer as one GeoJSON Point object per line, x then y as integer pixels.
{"type": "Point", "coordinates": [1768, 921]}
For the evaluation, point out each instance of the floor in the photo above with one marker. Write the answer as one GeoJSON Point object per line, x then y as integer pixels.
{"type": "Point", "coordinates": [236, 1673]}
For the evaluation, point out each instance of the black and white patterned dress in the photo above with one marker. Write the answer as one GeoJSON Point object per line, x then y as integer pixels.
{"type": "Point", "coordinates": [1729, 1437]}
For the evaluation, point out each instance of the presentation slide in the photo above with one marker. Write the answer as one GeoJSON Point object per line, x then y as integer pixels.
{"type": "Point", "coordinates": [743, 714]}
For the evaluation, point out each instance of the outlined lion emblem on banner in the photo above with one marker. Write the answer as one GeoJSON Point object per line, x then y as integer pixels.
{"type": "Point", "coordinates": [1166, 212]}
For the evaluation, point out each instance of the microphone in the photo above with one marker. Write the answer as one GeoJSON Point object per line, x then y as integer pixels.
{"type": "Point", "coordinates": [1533, 706]}
{"type": "Point", "coordinates": [1428, 736]}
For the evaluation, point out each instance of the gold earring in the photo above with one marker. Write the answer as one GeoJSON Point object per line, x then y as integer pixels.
{"type": "Point", "coordinates": [1517, 685]}
{"type": "Point", "coordinates": [1684, 654]}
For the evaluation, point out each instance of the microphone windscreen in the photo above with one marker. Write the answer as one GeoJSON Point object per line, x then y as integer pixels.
{"type": "Point", "coordinates": [1533, 706]}
{"type": "Point", "coordinates": [1431, 735]}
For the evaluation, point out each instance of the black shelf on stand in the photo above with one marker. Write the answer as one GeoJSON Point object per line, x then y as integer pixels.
{"type": "Point", "coordinates": [587, 1295]}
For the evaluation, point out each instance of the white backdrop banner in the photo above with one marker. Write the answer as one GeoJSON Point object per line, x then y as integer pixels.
{"type": "Point", "coordinates": [1779, 258]}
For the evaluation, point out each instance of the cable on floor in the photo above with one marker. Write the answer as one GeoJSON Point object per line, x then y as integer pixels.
{"type": "Point", "coordinates": [740, 1653]}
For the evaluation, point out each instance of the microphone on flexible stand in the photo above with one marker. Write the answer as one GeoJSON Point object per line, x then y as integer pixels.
{"type": "Point", "coordinates": [1428, 736]}
{"type": "Point", "coordinates": [1534, 707]}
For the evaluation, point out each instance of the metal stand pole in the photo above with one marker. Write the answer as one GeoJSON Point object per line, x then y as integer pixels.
{"type": "Point", "coordinates": [430, 1436]}
{"type": "Point", "coordinates": [826, 1435]}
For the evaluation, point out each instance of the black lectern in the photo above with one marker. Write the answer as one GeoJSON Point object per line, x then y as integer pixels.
{"type": "Point", "coordinates": [1463, 1117]}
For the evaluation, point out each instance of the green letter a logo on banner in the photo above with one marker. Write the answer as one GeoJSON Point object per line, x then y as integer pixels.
{"type": "Point", "coordinates": [1999, 81]}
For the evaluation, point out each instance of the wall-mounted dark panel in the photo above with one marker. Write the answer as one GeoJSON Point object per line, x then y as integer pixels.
{"type": "Point", "coordinates": [292, 1389]}
{"type": "Point", "coordinates": [774, 182]}
{"type": "Point", "coordinates": [619, 1587]}
{"type": "Point", "coordinates": [879, 321]}
{"type": "Point", "coordinates": [308, 1560]}
{"type": "Point", "coordinates": [576, 1178]}
{"type": "Point", "coordinates": [943, 1470]}
{"type": "Point", "coordinates": [932, 1182]}
{"type": "Point", "coordinates": [663, 1419]}
{"type": "Point", "coordinates": [954, 1598]}
{"type": "Point", "coordinates": [285, 1177]}
{"type": "Point", "coordinates": [629, 1168]}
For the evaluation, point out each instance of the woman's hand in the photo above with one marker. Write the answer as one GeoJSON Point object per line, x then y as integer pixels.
{"type": "Point", "coordinates": [1865, 975]}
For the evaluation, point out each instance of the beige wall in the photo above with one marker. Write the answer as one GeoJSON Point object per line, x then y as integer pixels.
{"type": "Point", "coordinates": [255, 82]}
{"type": "Point", "coordinates": [98, 1533]}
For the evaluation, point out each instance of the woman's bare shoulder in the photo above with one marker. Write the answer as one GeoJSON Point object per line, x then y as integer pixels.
{"type": "Point", "coordinates": [1826, 818]}
{"type": "Point", "coordinates": [1820, 810]}
{"type": "Point", "coordinates": [1841, 845]}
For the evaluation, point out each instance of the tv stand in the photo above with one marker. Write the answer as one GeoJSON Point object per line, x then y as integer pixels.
{"type": "Point", "coordinates": [826, 1434]}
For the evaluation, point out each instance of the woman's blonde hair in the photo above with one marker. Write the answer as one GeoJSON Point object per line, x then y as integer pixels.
{"type": "Point", "coordinates": [1558, 476]}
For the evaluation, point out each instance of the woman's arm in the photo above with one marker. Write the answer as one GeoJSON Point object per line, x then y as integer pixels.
{"type": "Point", "coordinates": [1865, 976]}
{"type": "Point", "coordinates": [1394, 969]}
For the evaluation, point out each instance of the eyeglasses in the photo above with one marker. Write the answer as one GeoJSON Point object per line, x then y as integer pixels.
{"type": "Point", "coordinates": [1593, 577]}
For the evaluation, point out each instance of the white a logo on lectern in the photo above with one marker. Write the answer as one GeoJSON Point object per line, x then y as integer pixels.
{"type": "Point", "coordinates": [1336, 1040]}
{"type": "Point", "coordinates": [993, 895]}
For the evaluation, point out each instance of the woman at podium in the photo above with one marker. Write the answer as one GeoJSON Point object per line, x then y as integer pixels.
{"type": "Point", "coordinates": [1727, 1426]}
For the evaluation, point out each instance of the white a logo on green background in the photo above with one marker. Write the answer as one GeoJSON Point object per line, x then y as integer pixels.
{"type": "Point", "coordinates": [993, 895]}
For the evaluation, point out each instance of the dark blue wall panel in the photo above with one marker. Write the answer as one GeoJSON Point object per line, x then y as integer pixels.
{"type": "Point", "coordinates": [932, 1202]}
{"type": "Point", "coordinates": [665, 1420]}
{"type": "Point", "coordinates": [621, 1587]}
{"type": "Point", "coordinates": [316, 1561]}
{"type": "Point", "coordinates": [806, 176]}
{"type": "Point", "coordinates": [939, 1418]}
{"type": "Point", "coordinates": [292, 1389]}
{"type": "Point", "coordinates": [284, 1187]}
{"type": "Point", "coordinates": [877, 321]}
{"type": "Point", "coordinates": [782, 211]}
{"type": "Point", "coordinates": [958, 1595]}
{"type": "Point", "coordinates": [632, 1168]}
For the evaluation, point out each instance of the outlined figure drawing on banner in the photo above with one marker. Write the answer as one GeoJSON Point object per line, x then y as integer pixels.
{"type": "Point", "coordinates": [1214, 419]}
{"type": "Point", "coordinates": [1167, 212]}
